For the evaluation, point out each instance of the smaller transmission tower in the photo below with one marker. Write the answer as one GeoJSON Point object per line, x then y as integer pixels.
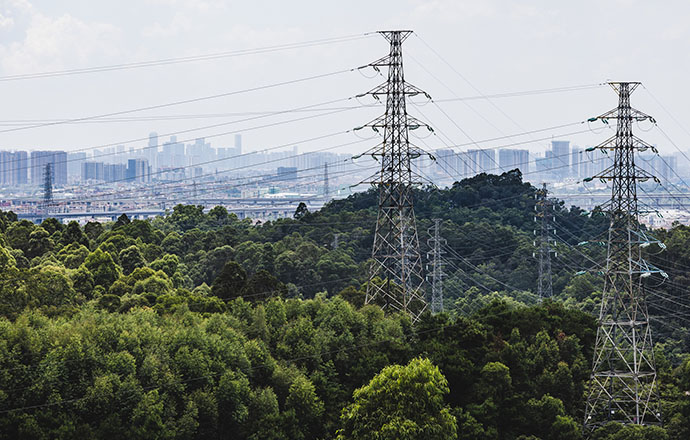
{"type": "Point", "coordinates": [47, 187]}
{"type": "Point", "coordinates": [544, 220]}
{"type": "Point", "coordinates": [326, 190]}
{"type": "Point", "coordinates": [437, 263]}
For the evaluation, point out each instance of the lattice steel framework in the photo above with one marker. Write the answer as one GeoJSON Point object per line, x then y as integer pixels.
{"type": "Point", "coordinates": [326, 189]}
{"type": "Point", "coordinates": [436, 273]}
{"type": "Point", "coordinates": [544, 220]}
{"type": "Point", "coordinates": [47, 188]}
{"type": "Point", "coordinates": [623, 384]}
{"type": "Point", "coordinates": [396, 280]}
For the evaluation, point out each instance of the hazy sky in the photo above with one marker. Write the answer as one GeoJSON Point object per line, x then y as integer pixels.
{"type": "Point", "coordinates": [498, 46]}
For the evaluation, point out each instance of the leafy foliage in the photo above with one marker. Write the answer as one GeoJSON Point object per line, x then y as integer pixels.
{"type": "Point", "coordinates": [201, 325]}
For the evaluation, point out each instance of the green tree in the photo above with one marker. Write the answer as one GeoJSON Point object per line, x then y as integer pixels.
{"type": "Point", "coordinates": [39, 243]}
{"type": "Point", "coordinates": [401, 403]}
{"type": "Point", "coordinates": [17, 235]}
{"type": "Point", "coordinates": [93, 230]}
{"type": "Point", "coordinates": [304, 409]}
{"type": "Point", "coordinates": [122, 221]}
{"type": "Point", "coordinates": [230, 282]}
{"type": "Point", "coordinates": [73, 255]}
{"type": "Point", "coordinates": [130, 259]}
{"type": "Point", "coordinates": [73, 234]}
{"type": "Point", "coordinates": [102, 267]}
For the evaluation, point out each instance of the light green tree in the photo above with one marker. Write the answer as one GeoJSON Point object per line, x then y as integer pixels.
{"type": "Point", "coordinates": [401, 403]}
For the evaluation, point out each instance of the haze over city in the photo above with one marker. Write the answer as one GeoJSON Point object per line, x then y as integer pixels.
{"type": "Point", "coordinates": [498, 47]}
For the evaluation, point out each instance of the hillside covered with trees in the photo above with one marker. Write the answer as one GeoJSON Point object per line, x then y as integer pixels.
{"type": "Point", "coordinates": [201, 325]}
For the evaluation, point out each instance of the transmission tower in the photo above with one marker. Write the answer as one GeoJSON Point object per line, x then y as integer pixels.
{"type": "Point", "coordinates": [325, 180]}
{"type": "Point", "coordinates": [396, 279]}
{"type": "Point", "coordinates": [47, 187]}
{"type": "Point", "coordinates": [544, 220]}
{"type": "Point", "coordinates": [623, 384]}
{"type": "Point", "coordinates": [436, 256]}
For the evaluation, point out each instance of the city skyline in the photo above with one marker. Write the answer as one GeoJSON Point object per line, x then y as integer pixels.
{"type": "Point", "coordinates": [38, 37]}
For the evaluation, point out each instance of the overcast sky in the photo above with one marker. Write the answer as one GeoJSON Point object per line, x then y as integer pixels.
{"type": "Point", "coordinates": [493, 46]}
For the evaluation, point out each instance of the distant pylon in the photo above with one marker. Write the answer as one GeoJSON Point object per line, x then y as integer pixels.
{"type": "Point", "coordinates": [437, 263]}
{"type": "Point", "coordinates": [47, 187]}
{"type": "Point", "coordinates": [396, 278]}
{"type": "Point", "coordinates": [544, 220]}
{"type": "Point", "coordinates": [623, 385]}
{"type": "Point", "coordinates": [325, 180]}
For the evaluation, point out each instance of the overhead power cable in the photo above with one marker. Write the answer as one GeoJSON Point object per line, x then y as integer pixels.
{"type": "Point", "coordinates": [187, 59]}
{"type": "Point", "coordinates": [184, 101]}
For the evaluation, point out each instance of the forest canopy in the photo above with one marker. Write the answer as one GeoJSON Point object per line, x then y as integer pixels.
{"type": "Point", "coordinates": [198, 324]}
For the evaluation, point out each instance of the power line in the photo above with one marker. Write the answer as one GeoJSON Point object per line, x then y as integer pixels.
{"type": "Point", "coordinates": [184, 101]}
{"type": "Point", "coordinates": [179, 60]}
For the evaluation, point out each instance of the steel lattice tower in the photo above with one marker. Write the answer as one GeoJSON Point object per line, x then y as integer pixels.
{"type": "Point", "coordinates": [47, 187]}
{"type": "Point", "coordinates": [396, 279]}
{"type": "Point", "coordinates": [326, 190]}
{"type": "Point", "coordinates": [623, 384]}
{"type": "Point", "coordinates": [436, 256]}
{"type": "Point", "coordinates": [544, 219]}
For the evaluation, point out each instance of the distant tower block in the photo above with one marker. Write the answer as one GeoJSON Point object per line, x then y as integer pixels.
{"type": "Point", "coordinates": [238, 143]}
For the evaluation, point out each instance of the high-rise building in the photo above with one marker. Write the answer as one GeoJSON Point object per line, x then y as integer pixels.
{"type": "Point", "coordinates": [470, 163]}
{"type": "Point", "coordinates": [92, 171]}
{"type": "Point", "coordinates": [238, 143]}
{"type": "Point", "coordinates": [138, 170]}
{"type": "Point", "coordinates": [13, 167]}
{"type": "Point", "coordinates": [575, 153]}
{"type": "Point", "coordinates": [447, 163]}
{"type": "Point", "coordinates": [487, 162]}
{"type": "Point", "coordinates": [287, 173]}
{"type": "Point", "coordinates": [662, 167]}
{"type": "Point", "coordinates": [74, 165]}
{"type": "Point", "coordinates": [200, 152]}
{"type": "Point", "coordinates": [58, 161]}
{"type": "Point", "coordinates": [172, 155]}
{"type": "Point", "coordinates": [114, 172]}
{"type": "Point", "coordinates": [560, 157]}
{"type": "Point", "coordinates": [152, 150]}
{"type": "Point", "coordinates": [509, 159]}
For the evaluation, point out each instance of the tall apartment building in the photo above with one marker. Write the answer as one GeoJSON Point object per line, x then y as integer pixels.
{"type": "Point", "coordinates": [509, 159]}
{"type": "Point", "coordinates": [447, 163]}
{"type": "Point", "coordinates": [575, 159]}
{"type": "Point", "coordinates": [138, 170]}
{"type": "Point", "coordinates": [114, 172]}
{"type": "Point", "coordinates": [92, 171]}
{"type": "Point", "coordinates": [172, 155]}
{"type": "Point", "coordinates": [58, 161]}
{"type": "Point", "coordinates": [560, 157]}
{"type": "Point", "coordinates": [14, 167]}
{"type": "Point", "coordinates": [479, 161]}
{"type": "Point", "coordinates": [75, 162]}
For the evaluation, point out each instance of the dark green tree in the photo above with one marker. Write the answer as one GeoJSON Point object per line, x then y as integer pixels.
{"type": "Point", "coordinates": [230, 282]}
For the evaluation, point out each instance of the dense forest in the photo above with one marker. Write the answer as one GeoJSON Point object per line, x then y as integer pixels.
{"type": "Point", "coordinates": [201, 325]}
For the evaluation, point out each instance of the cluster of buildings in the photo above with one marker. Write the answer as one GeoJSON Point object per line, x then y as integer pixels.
{"type": "Point", "coordinates": [21, 168]}
{"type": "Point", "coordinates": [161, 161]}
{"type": "Point", "coordinates": [173, 160]}
{"type": "Point", "coordinates": [559, 163]}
